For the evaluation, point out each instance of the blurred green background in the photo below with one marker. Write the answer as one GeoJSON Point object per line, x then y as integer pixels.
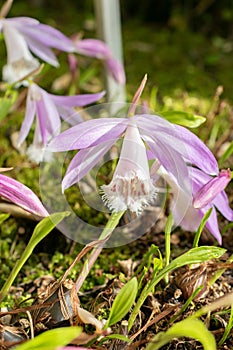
{"type": "Point", "coordinates": [182, 45]}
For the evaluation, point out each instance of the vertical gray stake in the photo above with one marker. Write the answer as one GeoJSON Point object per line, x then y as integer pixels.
{"type": "Point", "coordinates": [109, 30]}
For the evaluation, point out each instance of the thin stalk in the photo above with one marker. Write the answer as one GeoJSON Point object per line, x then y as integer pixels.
{"type": "Point", "coordinates": [201, 227]}
{"type": "Point", "coordinates": [42, 229]}
{"type": "Point", "coordinates": [167, 231]}
{"type": "Point", "coordinates": [14, 272]}
{"type": "Point", "coordinates": [227, 329]}
{"type": "Point", "coordinates": [105, 235]}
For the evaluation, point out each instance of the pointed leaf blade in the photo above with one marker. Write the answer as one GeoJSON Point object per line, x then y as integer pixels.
{"type": "Point", "coordinates": [42, 229]}
{"type": "Point", "coordinates": [123, 302]}
{"type": "Point", "coordinates": [51, 339]}
{"type": "Point", "coordinates": [187, 119]}
{"type": "Point", "coordinates": [191, 328]}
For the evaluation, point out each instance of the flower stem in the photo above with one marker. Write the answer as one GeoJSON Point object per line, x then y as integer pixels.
{"type": "Point", "coordinates": [167, 232]}
{"type": "Point", "coordinates": [201, 227]}
{"type": "Point", "coordinates": [105, 235]}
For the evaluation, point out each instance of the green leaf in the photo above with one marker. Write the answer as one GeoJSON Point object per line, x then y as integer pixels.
{"type": "Point", "coordinates": [187, 119]}
{"type": "Point", "coordinates": [116, 336]}
{"type": "Point", "coordinates": [6, 102]}
{"type": "Point", "coordinates": [190, 328]}
{"type": "Point", "coordinates": [42, 229]}
{"type": "Point", "coordinates": [3, 217]}
{"type": "Point", "coordinates": [123, 302]}
{"type": "Point", "coordinates": [193, 256]}
{"type": "Point", "coordinates": [226, 154]}
{"type": "Point", "coordinates": [50, 340]}
{"type": "Point", "coordinates": [153, 98]}
{"type": "Point", "coordinates": [224, 301]}
{"type": "Point", "coordinates": [228, 328]}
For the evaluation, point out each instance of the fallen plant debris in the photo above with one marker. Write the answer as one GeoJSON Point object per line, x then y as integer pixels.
{"type": "Point", "coordinates": [59, 306]}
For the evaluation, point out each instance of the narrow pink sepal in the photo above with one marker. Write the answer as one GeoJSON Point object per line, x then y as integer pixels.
{"type": "Point", "coordinates": [21, 195]}
{"type": "Point", "coordinates": [210, 190]}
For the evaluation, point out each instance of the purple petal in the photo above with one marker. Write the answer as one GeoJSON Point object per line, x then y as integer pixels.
{"type": "Point", "coordinates": [116, 69]}
{"type": "Point", "coordinates": [198, 153]}
{"type": "Point", "coordinates": [181, 205]}
{"type": "Point", "coordinates": [83, 162]}
{"type": "Point", "coordinates": [77, 100]}
{"type": "Point", "coordinates": [88, 134]}
{"type": "Point", "coordinates": [172, 162]}
{"type": "Point", "coordinates": [40, 50]}
{"type": "Point", "coordinates": [179, 176]}
{"type": "Point", "coordinates": [212, 224]}
{"type": "Point", "coordinates": [93, 48]}
{"type": "Point", "coordinates": [150, 155]}
{"type": "Point", "coordinates": [37, 135]}
{"type": "Point", "coordinates": [199, 179]}
{"type": "Point", "coordinates": [190, 221]}
{"type": "Point", "coordinates": [47, 116]}
{"type": "Point", "coordinates": [22, 21]}
{"type": "Point", "coordinates": [48, 36]}
{"type": "Point", "coordinates": [222, 204]}
{"type": "Point", "coordinates": [70, 115]}
{"type": "Point", "coordinates": [28, 120]}
{"type": "Point", "coordinates": [191, 218]}
{"type": "Point", "coordinates": [182, 140]}
{"type": "Point", "coordinates": [21, 195]}
{"type": "Point", "coordinates": [208, 192]}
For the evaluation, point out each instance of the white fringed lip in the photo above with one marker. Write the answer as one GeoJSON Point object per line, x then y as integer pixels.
{"type": "Point", "coordinates": [131, 187]}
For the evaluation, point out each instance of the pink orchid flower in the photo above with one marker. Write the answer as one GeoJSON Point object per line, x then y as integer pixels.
{"type": "Point", "coordinates": [24, 35]}
{"type": "Point", "coordinates": [49, 109]}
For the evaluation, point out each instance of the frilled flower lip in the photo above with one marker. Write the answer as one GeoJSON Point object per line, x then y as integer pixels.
{"type": "Point", "coordinates": [131, 186]}
{"type": "Point", "coordinates": [19, 194]}
{"type": "Point", "coordinates": [131, 191]}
